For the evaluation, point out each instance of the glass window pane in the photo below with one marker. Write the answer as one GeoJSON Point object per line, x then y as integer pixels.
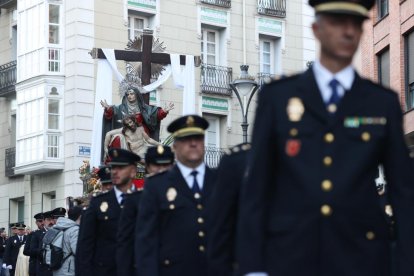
{"type": "Point", "coordinates": [211, 36]}
{"type": "Point", "coordinates": [385, 68]}
{"type": "Point", "coordinates": [211, 59]}
{"type": "Point", "coordinates": [266, 58]}
{"type": "Point", "coordinates": [410, 56]}
{"type": "Point", "coordinates": [266, 46]}
{"type": "Point", "coordinates": [53, 34]}
{"type": "Point", "coordinates": [139, 23]}
{"type": "Point", "coordinates": [211, 49]}
{"type": "Point", "coordinates": [54, 14]}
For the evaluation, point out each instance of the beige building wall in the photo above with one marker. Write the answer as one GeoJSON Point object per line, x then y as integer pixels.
{"type": "Point", "coordinates": [177, 23]}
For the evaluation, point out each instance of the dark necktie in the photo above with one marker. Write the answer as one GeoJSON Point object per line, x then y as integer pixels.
{"type": "Point", "coordinates": [196, 187]}
{"type": "Point", "coordinates": [335, 98]}
{"type": "Point", "coordinates": [20, 238]}
{"type": "Point", "coordinates": [122, 199]}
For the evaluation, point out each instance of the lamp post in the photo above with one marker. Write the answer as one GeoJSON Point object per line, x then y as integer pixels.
{"type": "Point", "coordinates": [243, 87]}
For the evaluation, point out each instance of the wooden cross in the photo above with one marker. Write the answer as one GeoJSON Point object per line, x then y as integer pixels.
{"type": "Point", "coordinates": [146, 57]}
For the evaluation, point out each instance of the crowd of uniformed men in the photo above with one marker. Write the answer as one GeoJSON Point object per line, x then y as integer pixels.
{"type": "Point", "coordinates": [302, 201]}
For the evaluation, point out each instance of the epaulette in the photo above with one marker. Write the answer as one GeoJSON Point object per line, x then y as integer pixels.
{"type": "Point", "coordinates": [151, 175]}
{"type": "Point", "coordinates": [238, 148]}
{"type": "Point", "coordinates": [100, 193]}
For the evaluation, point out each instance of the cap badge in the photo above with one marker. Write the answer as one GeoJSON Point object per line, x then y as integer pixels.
{"type": "Point", "coordinates": [160, 149]}
{"type": "Point", "coordinates": [171, 194]}
{"type": "Point", "coordinates": [295, 109]}
{"type": "Point", "coordinates": [190, 121]}
{"type": "Point", "coordinates": [115, 153]}
{"type": "Point", "coordinates": [104, 207]}
{"type": "Point", "coordinates": [107, 171]}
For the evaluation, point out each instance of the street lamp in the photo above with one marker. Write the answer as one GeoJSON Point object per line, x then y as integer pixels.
{"type": "Point", "coordinates": [243, 87]}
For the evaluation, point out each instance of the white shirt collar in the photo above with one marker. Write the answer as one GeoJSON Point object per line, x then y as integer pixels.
{"type": "Point", "coordinates": [186, 172]}
{"type": "Point", "coordinates": [323, 77]}
{"type": "Point", "coordinates": [118, 194]}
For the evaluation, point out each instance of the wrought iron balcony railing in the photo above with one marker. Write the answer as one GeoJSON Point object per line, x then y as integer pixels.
{"type": "Point", "coordinates": [6, 4]}
{"type": "Point", "coordinates": [216, 79]}
{"type": "Point", "coordinates": [221, 3]}
{"type": "Point", "coordinates": [8, 75]}
{"type": "Point", "coordinates": [10, 161]}
{"type": "Point", "coordinates": [272, 7]}
{"type": "Point", "coordinates": [213, 156]}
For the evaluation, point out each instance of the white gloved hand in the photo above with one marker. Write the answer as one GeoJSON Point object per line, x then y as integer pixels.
{"type": "Point", "coordinates": [9, 267]}
{"type": "Point", "coordinates": [4, 266]}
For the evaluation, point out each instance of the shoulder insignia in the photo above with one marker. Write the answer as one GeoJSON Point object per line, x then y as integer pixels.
{"type": "Point", "coordinates": [151, 175]}
{"type": "Point", "coordinates": [238, 148]}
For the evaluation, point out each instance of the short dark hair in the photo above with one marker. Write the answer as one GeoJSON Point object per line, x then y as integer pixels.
{"type": "Point", "coordinates": [74, 213]}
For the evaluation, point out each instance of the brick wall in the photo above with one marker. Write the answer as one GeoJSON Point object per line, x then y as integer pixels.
{"type": "Point", "coordinates": [389, 32]}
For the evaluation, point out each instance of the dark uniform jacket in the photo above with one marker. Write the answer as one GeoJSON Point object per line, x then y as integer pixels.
{"type": "Point", "coordinates": [36, 243]}
{"type": "Point", "coordinates": [223, 211]}
{"type": "Point", "coordinates": [171, 239]}
{"type": "Point", "coordinates": [12, 250]}
{"type": "Point", "coordinates": [97, 240]}
{"type": "Point", "coordinates": [126, 235]}
{"type": "Point", "coordinates": [309, 203]}
{"type": "Point", "coordinates": [26, 251]}
{"type": "Point", "coordinates": [2, 246]}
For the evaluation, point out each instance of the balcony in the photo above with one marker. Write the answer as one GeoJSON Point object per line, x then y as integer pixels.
{"type": "Point", "coordinates": [7, 4]}
{"type": "Point", "coordinates": [216, 79]}
{"type": "Point", "coordinates": [275, 8]}
{"type": "Point", "coordinates": [213, 156]}
{"type": "Point", "coordinates": [10, 161]}
{"type": "Point", "coordinates": [220, 3]}
{"type": "Point", "coordinates": [8, 75]}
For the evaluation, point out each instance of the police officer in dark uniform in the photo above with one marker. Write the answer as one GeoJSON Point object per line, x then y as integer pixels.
{"type": "Point", "coordinates": [97, 240]}
{"type": "Point", "coordinates": [104, 174]}
{"type": "Point", "coordinates": [317, 142]}
{"type": "Point", "coordinates": [32, 260]}
{"type": "Point", "coordinates": [171, 239]}
{"type": "Point", "coordinates": [12, 248]}
{"type": "Point", "coordinates": [36, 242]}
{"type": "Point", "coordinates": [157, 159]}
{"type": "Point", "coordinates": [224, 205]}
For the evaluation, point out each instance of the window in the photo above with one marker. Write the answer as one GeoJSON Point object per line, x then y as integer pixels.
{"type": "Point", "coordinates": [210, 46]}
{"type": "Point", "coordinates": [409, 65]}
{"type": "Point", "coordinates": [382, 6]}
{"type": "Point", "coordinates": [48, 201]}
{"type": "Point", "coordinates": [212, 136]}
{"type": "Point", "coordinates": [53, 114]}
{"type": "Point", "coordinates": [16, 210]}
{"type": "Point", "coordinates": [266, 56]}
{"type": "Point", "coordinates": [54, 60]}
{"type": "Point", "coordinates": [54, 24]}
{"type": "Point", "coordinates": [136, 25]}
{"type": "Point", "coordinates": [384, 68]}
{"type": "Point", "coordinates": [53, 146]}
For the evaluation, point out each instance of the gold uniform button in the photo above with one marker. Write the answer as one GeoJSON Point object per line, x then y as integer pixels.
{"type": "Point", "coordinates": [197, 195]}
{"type": "Point", "coordinates": [201, 248]}
{"type": "Point", "coordinates": [293, 132]}
{"type": "Point", "coordinates": [329, 137]}
{"type": "Point", "coordinates": [326, 185]}
{"type": "Point", "coordinates": [370, 235]}
{"type": "Point", "coordinates": [201, 234]}
{"type": "Point", "coordinates": [326, 210]}
{"type": "Point", "coordinates": [332, 108]}
{"type": "Point", "coordinates": [106, 218]}
{"type": "Point", "coordinates": [199, 207]}
{"type": "Point", "coordinates": [200, 220]}
{"type": "Point", "coordinates": [167, 262]}
{"type": "Point", "coordinates": [327, 161]}
{"type": "Point", "coordinates": [172, 206]}
{"type": "Point", "coordinates": [366, 136]}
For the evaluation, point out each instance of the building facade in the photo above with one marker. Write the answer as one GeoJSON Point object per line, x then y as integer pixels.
{"type": "Point", "coordinates": [387, 53]}
{"type": "Point", "coordinates": [48, 78]}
